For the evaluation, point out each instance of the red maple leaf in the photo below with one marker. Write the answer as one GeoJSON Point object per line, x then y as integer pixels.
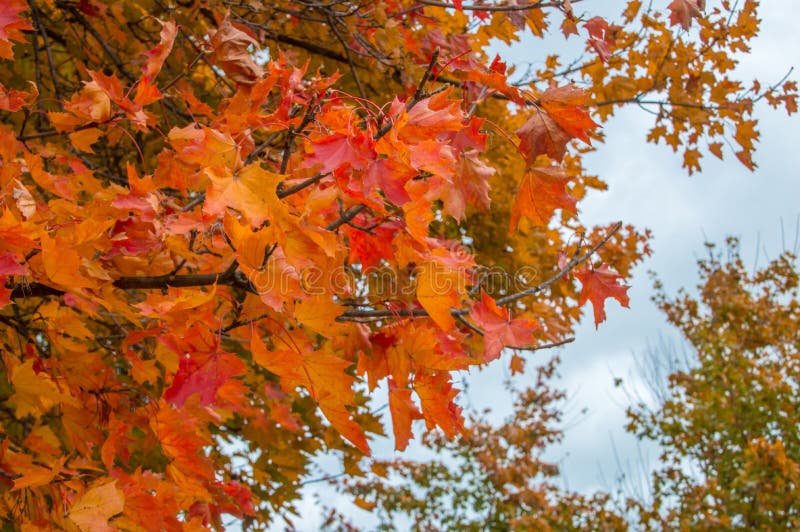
{"type": "Point", "coordinates": [11, 25]}
{"type": "Point", "coordinates": [601, 36]}
{"type": "Point", "coordinates": [561, 118]}
{"type": "Point", "coordinates": [598, 285]}
{"type": "Point", "coordinates": [540, 134]}
{"type": "Point", "coordinates": [499, 330]}
{"type": "Point", "coordinates": [203, 375]}
{"type": "Point", "coordinates": [683, 11]}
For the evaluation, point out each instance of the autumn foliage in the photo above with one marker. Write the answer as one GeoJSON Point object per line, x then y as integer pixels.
{"type": "Point", "coordinates": [726, 419]}
{"type": "Point", "coordinates": [228, 226]}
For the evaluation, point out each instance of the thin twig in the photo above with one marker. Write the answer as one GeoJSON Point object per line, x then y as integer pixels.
{"type": "Point", "coordinates": [370, 314]}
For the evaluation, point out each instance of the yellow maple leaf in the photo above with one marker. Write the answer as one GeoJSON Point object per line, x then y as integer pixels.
{"type": "Point", "coordinates": [94, 508]}
{"type": "Point", "coordinates": [33, 394]}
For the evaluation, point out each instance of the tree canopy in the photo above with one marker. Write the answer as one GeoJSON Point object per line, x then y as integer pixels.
{"type": "Point", "coordinates": [727, 422]}
{"type": "Point", "coordinates": [227, 223]}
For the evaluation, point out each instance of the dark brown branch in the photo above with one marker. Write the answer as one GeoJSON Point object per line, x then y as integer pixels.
{"type": "Point", "coordinates": [512, 7]}
{"type": "Point", "coordinates": [566, 269]}
{"type": "Point", "coordinates": [183, 72]}
{"type": "Point", "coordinates": [292, 133]}
{"type": "Point", "coordinates": [53, 132]}
{"type": "Point", "coordinates": [40, 28]}
{"type": "Point", "coordinates": [261, 147]}
{"type": "Point", "coordinates": [285, 192]}
{"type": "Point", "coordinates": [307, 46]}
{"type": "Point", "coordinates": [110, 52]}
{"type": "Point", "coordinates": [346, 217]}
{"type": "Point", "coordinates": [544, 346]}
{"type": "Point", "coordinates": [236, 324]}
{"type": "Point", "coordinates": [350, 63]}
{"type": "Point", "coordinates": [155, 282]}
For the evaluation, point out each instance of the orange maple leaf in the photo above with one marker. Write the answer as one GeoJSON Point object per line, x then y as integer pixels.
{"type": "Point", "coordinates": [14, 100]}
{"type": "Point", "coordinates": [439, 289]}
{"type": "Point", "coordinates": [157, 56]}
{"type": "Point", "coordinates": [598, 285]}
{"type": "Point", "coordinates": [324, 376]}
{"type": "Point", "coordinates": [404, 412]}
{"type": "Point", "coordinates": [566, 105]}
{"type": "Point", "coordinates": [436, 394]}
{"type": "Point", "coordinates": [95, 507]}
{"type": "Point", "coordinates": [542, 191]}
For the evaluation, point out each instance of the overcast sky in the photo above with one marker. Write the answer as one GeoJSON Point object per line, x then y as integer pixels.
{"type": "Point", "coordinates": [649, 189]}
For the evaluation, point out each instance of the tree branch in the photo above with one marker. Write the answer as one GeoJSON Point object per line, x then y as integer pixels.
{"type": "Point", "coordinates": [370, 314]}
{"type": "Point", "coordinates": [155, 282]}
{"type": "Point", "coordinates": [346, 217]}
{"type": "Point", "coordinates": [480, 7]}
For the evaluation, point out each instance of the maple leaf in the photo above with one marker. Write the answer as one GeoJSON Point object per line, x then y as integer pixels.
{"type": "Point", "coordinates": [324, 376]}
{"type": "Point", "coordinates": [600, 36]}
{"type": "Point", "coordinates": [117, 442]}
{"type": "Point", "coordinates": [155, 57]}
{"type": "Point", "coordinates": [439, 289]}
{"type": "Point", "coordinates": [11, 26]}
{"type": "Point", "coordinates": [173, 301]}
{"type": "Point", "coordinates": [5, 292]}
{"type": "Point", "coordinates": [541, 135]}
{"type": "Point", "coordinates": [92, 510]}
{"type": "Point", "coordinates": [32, 475]}
{"type": "Point", "coordinates": [470, 186]}
{"type": "Point", "coordinates": [204, 146]}
{"type": "Point", "coordinates": [404, 412]}
{"type": "Point", "coordinates": [517, 365]}
{"type": "Point", "coordinates": [34, 393]}
{"type": "Point", "coordinates": [11, 265]}
{"type": "Point", "coordinates": [429, 118]}
{"type": "Point", "coordinates": [369, 248]}
{"type": "Point", "coordinates": [334, 151]}
{"type": "Point", "coordinates": [14, 100]}
{"type": "Point", "coordinates": [541, 192]}
{"type": "Point", "coordinates": [683, 11]}
{"type": "Point", "coordinates": [230, 43]}
{"type": "Point", "coordinates": [499, 330]}
{"type": "Point", "coordinates": [203, 374]}
{"type": "Point", "coordinates": [319, 314]}
{"type": "Point", "coordinates": [182, 437]}
{"type": "Point", "coordinates": [566, 106]}
{"type": "Point", "coordinates": [92, 103]}
{"type": "Point", "coordinates": [251, 191]}
{"type": "Point", "coordinates": [436, 394]}
{"type": "Point", "coordinates": [598, 285]}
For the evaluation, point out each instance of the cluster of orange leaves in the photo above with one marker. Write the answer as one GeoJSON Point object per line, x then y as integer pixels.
{"type": "Point", "coordinates": [122, 430]}
{"type": "Point", "coordinates": [193, 235]}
